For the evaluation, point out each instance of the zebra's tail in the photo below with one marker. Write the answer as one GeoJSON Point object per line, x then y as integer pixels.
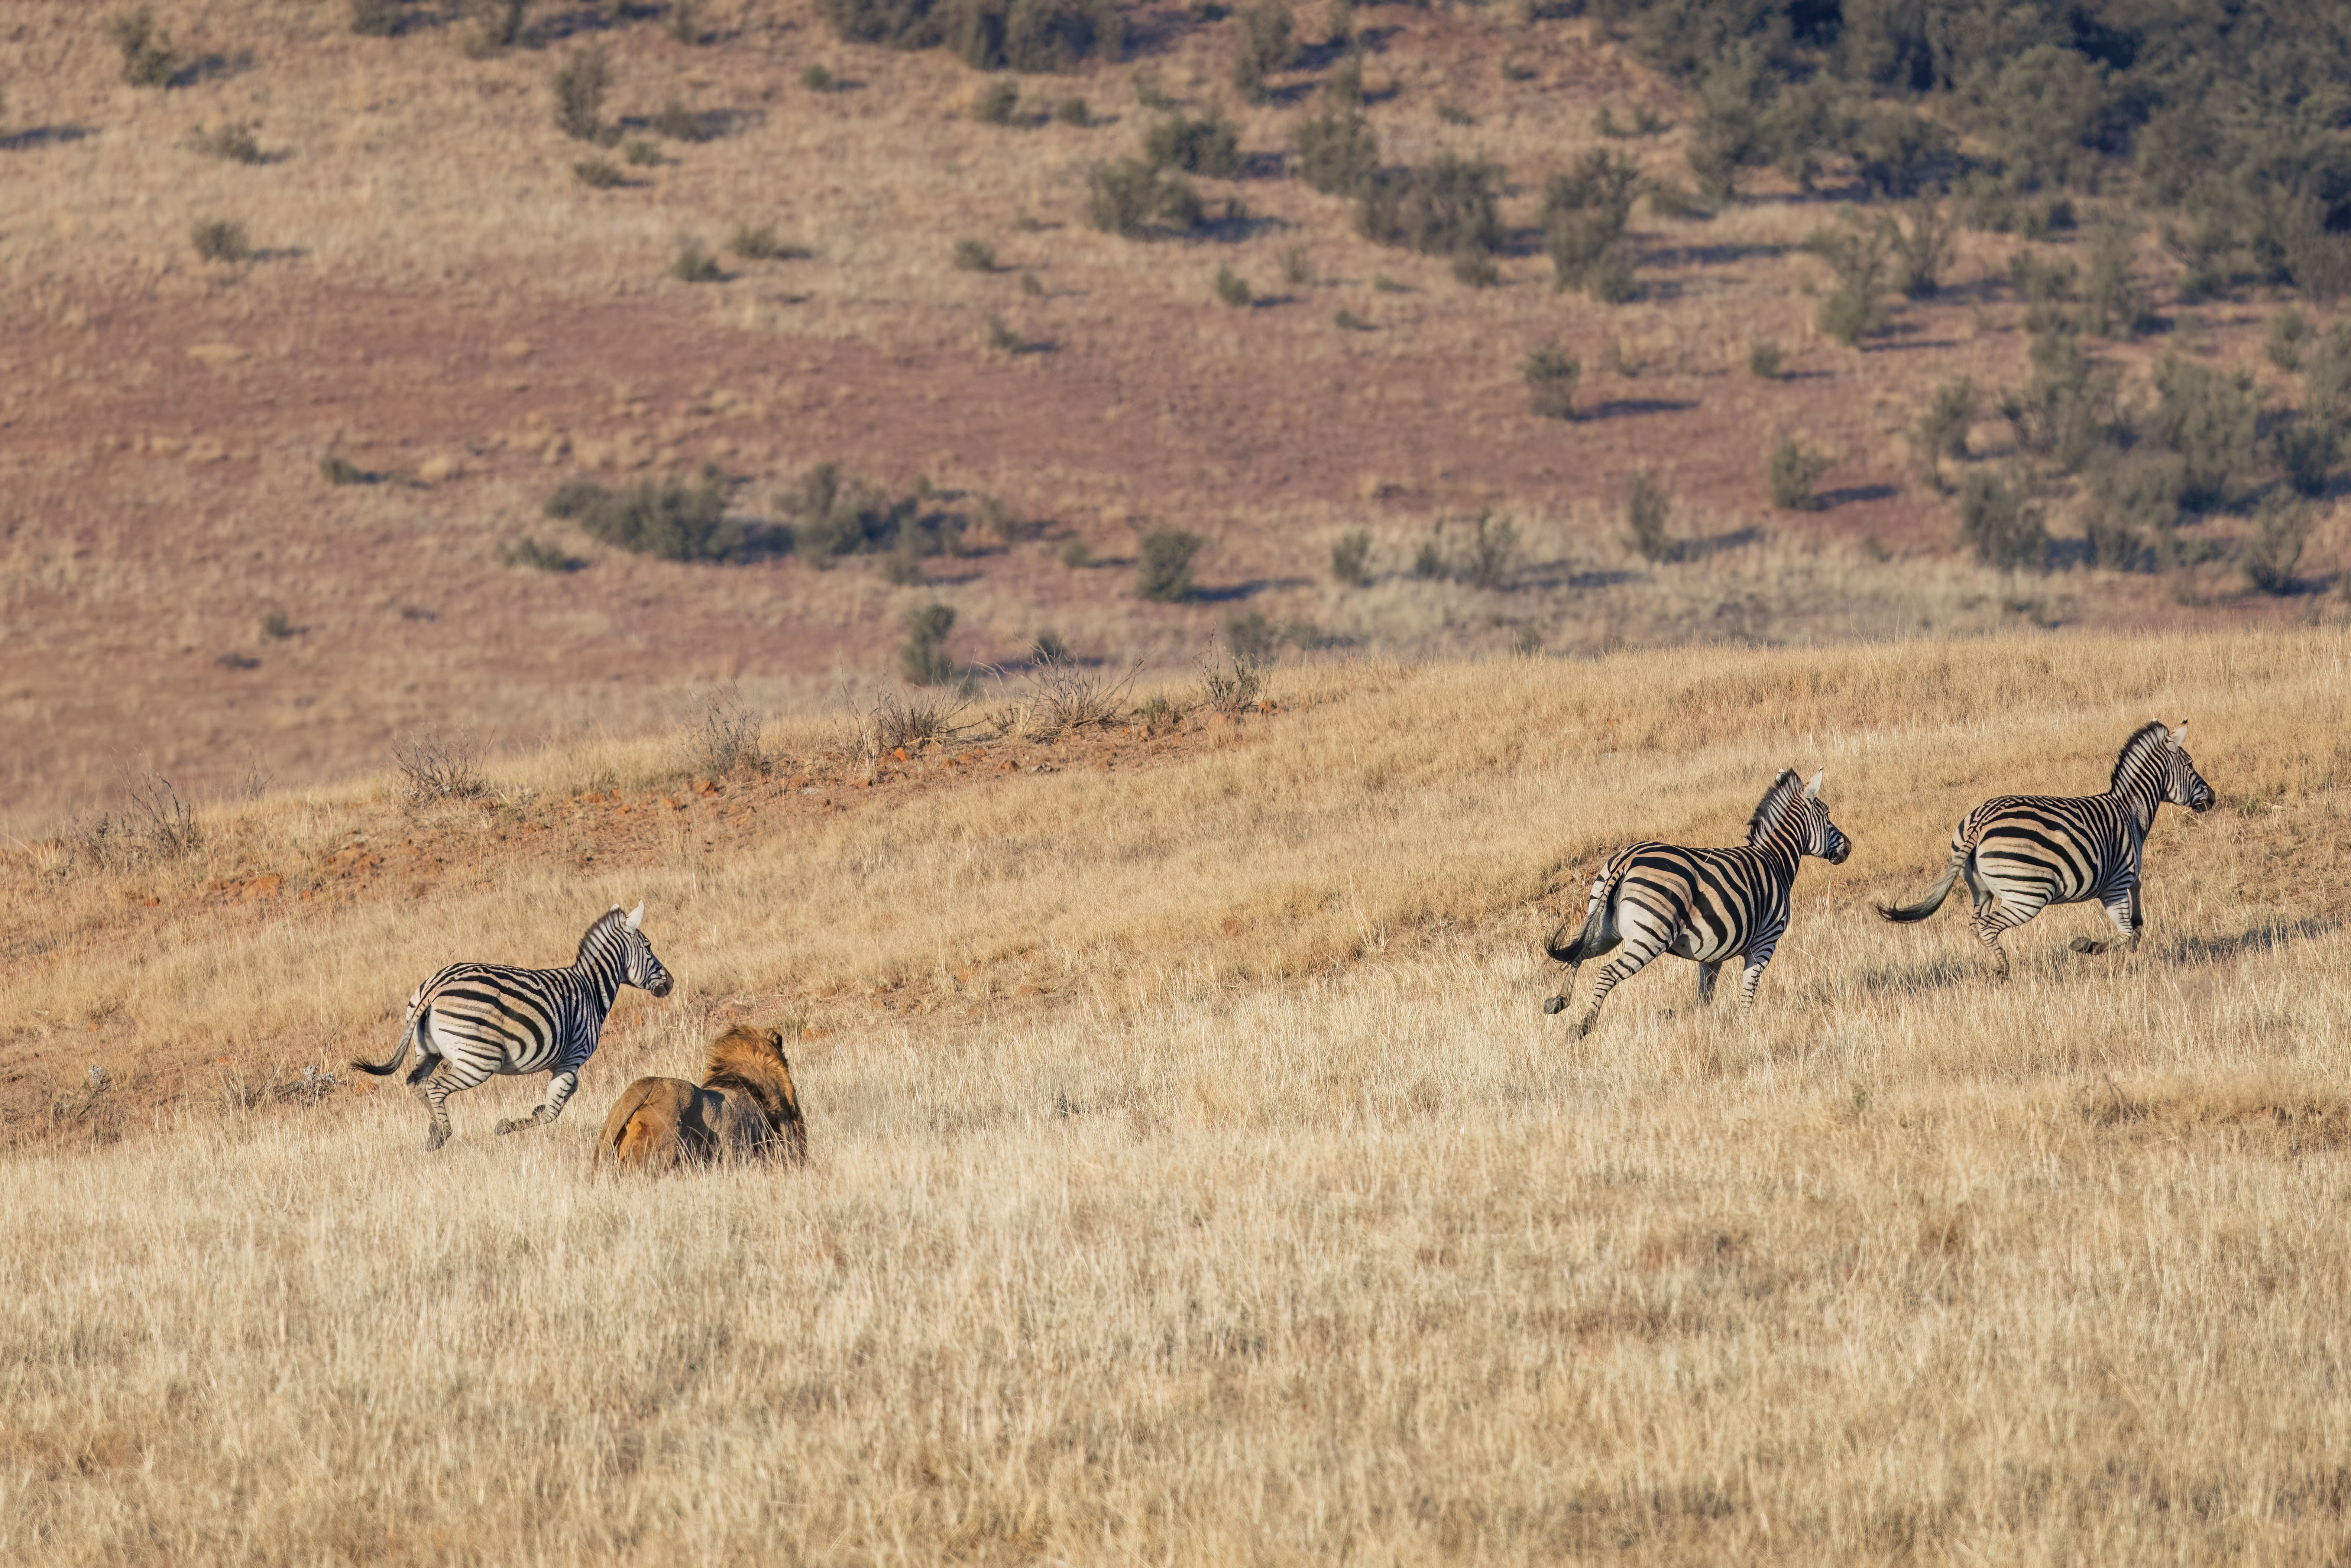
{"type": "Point", "coordinates": [1906, 913]}
{"type": "Point", "coordinates": [1593, 940]}
{"type": "Point", "coordinates": [407, 1033]}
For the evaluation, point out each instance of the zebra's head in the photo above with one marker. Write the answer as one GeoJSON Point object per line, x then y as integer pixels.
{"type": "Point", "coordinates": [1796, 816]}
{"type": "Point", "coordinates": [2182, 785]}
{"type": "Point", "coordinates": [633, 955]}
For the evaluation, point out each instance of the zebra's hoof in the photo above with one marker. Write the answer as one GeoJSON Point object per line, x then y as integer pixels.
{"type": "Point", "coordinates": [1554, 1005]}
{"type": "Point", "coordinates": [506, 1127]}
{"type": "Point", "coordinates": [434, 1139]}
{"type": "Point", "coordinates": [2083, 944]}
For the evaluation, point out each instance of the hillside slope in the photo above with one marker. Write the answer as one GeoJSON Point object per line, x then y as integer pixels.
{"type": "Point", "coordinates": [1195, 1172]}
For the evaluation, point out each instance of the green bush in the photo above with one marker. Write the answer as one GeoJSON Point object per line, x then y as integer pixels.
{"type": "Point", "coordinates": [692, 263]}
{"type": "Point", "coordinates": [1074, 111]}
{"type": "Point", "coordinates": [2112, 303]}
{"type": "Point", "coordinates": [1489, 557]}
{"type": "Point", "coordinates": [1794, 472]}
{"type": "Point", "coordinates": [2211, 419]}
{"type": "Point", "coordinates": [1231, 288]}
{"type": "Point", "coordinates": [1765, 361]}
{"type": "Point", "coordinates": [1337, 150]}
{"type": "Point", "coordinates": [923, 661]}
{"type": "Point", "coordinates": [233, 141]}
{"type": "Point", "coordinates": [815, 78]}
{"type": "Point", "coordinates": [597, 172]}
{"type": "Point", "coordinates": [580, 85]}
{"type": "Point", "coordinates": [834, 516]}
{"type": "Point", "coordinates": [1584, 214]}
{"type": "Point", "coordinates": [2307, 451]}
{"type": "Point", "coordinates": [1208, 145]}
{"type": "Point", "coordinates": [1030, 36]}
{"type": "Point", "coordinates": [642, 153]}
{"type": "Point", "coordinates": [1439, 209]}
{"type": "Point", "coordinates": [1074, 555]}
{"type": "Point", "coordinates": [2280, 529]}
{"type": "Point", "coordinates": [761, 243]}
{"type": "Point", "coordinates": [1351, 559]}
{"type": "Point", "coordinates": [1943, 430]}
{"type": "Point", "coordinates": [2283, 340]}
{"type": "Point", "coordinates": [377, 19]}
{"type": "Point", "coordinates": [1126, 197]}
{"type": "Point", "coordinates": [1856, 256]}
{"type": "Point", "coordinates": [1262, 45]}
{"type": "Point", "coordinates": [2001, 523]}
{"type": "Point", "coordinates": [1165, 571]}
{"type": "Point", "coordinates": [668, 518]}
{"type": "Point", "coordinates": [148, 59]}
{"type": "Point", "coordinates": [971, 255]}
{"type": "Point", "coordinates": [220, 239]}
{"type": "Point", "coordinates": [1645, 510]}
{"type": "Point", "coordinates": [999, 105]}
{"type": "Point", "coordinates": [1551, 374]}
{"type": "Point", "coordinates": [1922, 252]}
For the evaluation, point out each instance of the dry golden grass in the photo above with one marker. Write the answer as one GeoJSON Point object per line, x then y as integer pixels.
{"type": "Point", "coordinates": [1282, 1227]}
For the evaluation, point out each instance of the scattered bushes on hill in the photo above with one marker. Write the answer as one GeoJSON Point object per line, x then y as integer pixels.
{"type": "Point", "coordinates": [668, 518]}
{"type": "Point", "coordinates": [1164, 569]}
{"type": "Point", "coordinates": [1439, 209]}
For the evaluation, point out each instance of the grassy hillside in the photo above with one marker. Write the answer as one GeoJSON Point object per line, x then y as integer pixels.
{"type": "Point", "coordinates": [1195, 1172]}
{"type": "Point", "coordinates": [435, 300]}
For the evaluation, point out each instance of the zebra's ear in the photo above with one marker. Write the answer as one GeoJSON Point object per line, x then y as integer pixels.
{"type": "Point", "coordinates": [1813, 789]}
{"type": "Point", "coordinates": [2180, 735]}
{"type": "Point", "coordinates": [637, 916]}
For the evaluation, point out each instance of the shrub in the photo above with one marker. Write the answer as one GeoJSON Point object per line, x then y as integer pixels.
{"type": "Point", "coordinates": [1551, 375]}
{"type": "Point", "coordinates": [377, 19]}
{"type": "Point", "coordinates": [2039, 282]}
{"type": "Point", "coordinates": [232, 140]}
{"type": "Point", "coordinates": [923, 661]}
{"type": "Point", "coordinates": [2112, 304]}
{"type": "Point", "coordinates": [1074, 555]}
{"type": "Point", "coordinates": [1645, 509]}
{"type": "Point", "coordinates": [1439, 209]}
{"type": "Point", "coordinates": [1231, 288]}
{"type": "Point", "coordinates": [1297, 270]}
{"type": "Point", "coordinates": [1794, 472]}
{"type": "Point", "coordinates": [834, 516]}
{"type": "Point", "coordinates": [2133, 499]}
{"type": "Point", "coordinates": [336, 469]}
{"type": "Point", "coordinates": [722, 737]}
{"type": "Point", "coordinates": [1126, 197]}
{"type": "Point", "coordinates": [2280, 529]}
{"type": "Point", "coordinates": [502, 21]}
{"type": "Point", "coordinates": [1943, 429]}
{"type": "Point", "coordinates": [679, 123]}
{"type": "Point", "coordinates": [987, 35]}
{"type": "Point", "coordinates": [1228, 683]}
{"type": "Point", "coordinates": [580, 84]}
{"type": "Point", "coordinates": [2070, 412]}
{"type": "Point", "coordinates": [1008, 527]}
{"type": "Point", "coordinates": [1351, 559]}
{"type": "Point", "coordinates": [220, 239]}
{"type": "Point", "coordinates": [596, 172]}
{"type": "Point", "coordinates": [1251, 637]}
{"type": "Point", "coordinates": [641, 151]}
{"type": "Point", "coordinates": [692, 263]}
{"type": "Point", "coordinates": [1074, 111]}
{"type": "Point", "coordinates": [999, 105]}
{"type": "Point", "coordinates": [1348, 322]}
{"type": "Point", "coordinates": [1262, 45]}
{"type": "Point", "coordinates": [971, 255]}
{"type": "Point", "coordinates": [2211, 420]}
{"type": "Point", "coordinates": [759, 244]}
{"type": "Point", "coordinates": [1672, 198]}
{"type": "Point", "coordinates": [2308, 452]}
{"type": "Point", "coordinates": [440, 765]}
{"type": "Point", "coordinates": [1583, 214]}
{"type": "Point", "coordinates": [1998, 521]}
{"type": "Point", "coordinates": [1165, 572]}
{"type": "Point", "coordinates": [686, 21]}
{"type": "Point", "coordinates": [2282, 343]}
{"type": "Point", "coordinates": [528, 551]}
{"type": "Point", "coordinates": [1337, 150]}
{"type": "Point", "coordinates": [669, 518]}
{"type": "Point", "coordinates": [148, 59]}
{"type": "Point", "coordinates": [815, 79]}
{"type": "Point", "coordinates": [1765, 360]}
{"type": "Point", "coordinates": [1921, 254]}
{"type": "Point", "coordinates": [1492, 554]}
{"type": "Point", "coordinates": [1208, 145]}
{"type": "Point", "coordinates": [1852, 311]}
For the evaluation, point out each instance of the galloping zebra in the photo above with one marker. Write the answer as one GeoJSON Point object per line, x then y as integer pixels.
{"type": "Point", "coordinates": [2022, 853]}
{"type": "Point", "coordinates": [471, 1021]}
{"type": "Point", "coordinates": [1703, 904]}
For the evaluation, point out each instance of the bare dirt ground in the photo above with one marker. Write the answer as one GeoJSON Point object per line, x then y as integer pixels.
{"type": "Point", "coordinates": [434, 297]}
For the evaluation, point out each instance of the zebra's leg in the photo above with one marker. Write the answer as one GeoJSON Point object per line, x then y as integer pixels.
{"type": "Point", "coordinates": [559, 1089]}
{"type": "Point", "coordinates": [1988, 935]}
{"type": "Point", "coordinates": [453, 1078]}
{"type": "Point", "coordinates": [1706, 973]}
{"type": "Point", "coordinates": [1624, 967]}
{"type": "Point", "coordinates": [2125, 914]}
{"type": "Point", "coordinates": [1759, 954]}
{"type": "Point", "coordinates": [425, 1063]}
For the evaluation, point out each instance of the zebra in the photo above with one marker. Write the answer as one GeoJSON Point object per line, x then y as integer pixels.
{"type": "Point", "coordinates": [1703, 904]}
{"type": "Point", "coordinates": [2022, 853]}
{"type": "Point", "coordinates": [471, 1021]}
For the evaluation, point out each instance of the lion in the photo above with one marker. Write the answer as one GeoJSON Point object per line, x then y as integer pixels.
{"type": "Point", "coordinates": [745, 1108]}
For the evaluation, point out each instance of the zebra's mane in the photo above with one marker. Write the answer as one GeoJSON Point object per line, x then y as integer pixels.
{"type": "Point", "coordinates": [2145, 740]}
{"type": "Point", "coordinates": [602, 924]}
{"type": "Point", "coordinates": [1768, 810]}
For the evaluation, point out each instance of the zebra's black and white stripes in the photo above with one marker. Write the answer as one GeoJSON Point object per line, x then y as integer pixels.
{"type": "Point", "coordinates": [472, 1020]}
{"type": "Point", "coordinates": [1703, 904]}
{"type": "Point", "coordinates": [2020, 853]}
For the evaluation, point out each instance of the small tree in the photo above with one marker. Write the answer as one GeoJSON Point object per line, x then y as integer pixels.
{"type": "Point", "coordinates": [1852, 311]}
{"type": "Point", "coordinates": [1337, 150]}
{"type": "Point", "coordinates": [2112, 303]}
{"type": "Point", "coordinates": [1165, 572]}
{"type": "Point", "coordinates": [1551, 376]}
{"type": "Point", "coordinates": [1585, 210]}
{"type": "Point", "coordinates": [1921, 254]}
{"type": "Point", "coordinates": [2271, 555]}
{"type": "Point", "coordinates": [580, 84]}
{"type": "Point", "coordinates": [2001, 523]}
{"type": "Point", "coordinates": [1351, 559]}
{"type": "Point", "coordinates": [1262, 44]}
{"type": "Point", "coordinates": [923, 661]}
{"type": "Point", "coordinates": [1645, 509]}
{"type": "Point", "coordinates": [2211, 419]}
{"type": "Point", "coordinates": [1794, 472]}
